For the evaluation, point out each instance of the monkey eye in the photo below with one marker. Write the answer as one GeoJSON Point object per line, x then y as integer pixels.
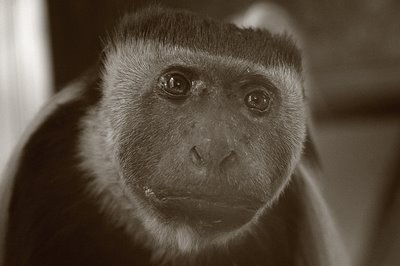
{"type": "Point", "coordinates": [174, 85]}
{"type": "Point", "coordinates": [258, 100]}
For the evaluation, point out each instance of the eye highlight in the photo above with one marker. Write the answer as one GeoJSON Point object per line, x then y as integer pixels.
{"type": "Point", "coordinates": [174, 85]}
{"type": "Point", "coordinates": [258, 100]}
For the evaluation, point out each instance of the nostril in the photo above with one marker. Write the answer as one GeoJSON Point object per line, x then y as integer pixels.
{"type": "Point", "coordinates": [196, 157]}
{"type": "Point", "coordinates": [231, 156]}
{"type": "Point", "coordinates": [230, 159]}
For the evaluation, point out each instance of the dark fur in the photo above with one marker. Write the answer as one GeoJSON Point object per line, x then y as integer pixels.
{"type": "Point", "coordinates": [53, 220]}
{"type": "Point", "coordinates": [202, 34]}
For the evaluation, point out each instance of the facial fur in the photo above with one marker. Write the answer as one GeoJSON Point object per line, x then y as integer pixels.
{"type": "Point", "coordinates": [149, 182]}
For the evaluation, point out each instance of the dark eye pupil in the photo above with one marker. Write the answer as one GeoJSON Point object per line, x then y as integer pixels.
{"type": "Point", "coordinates": [259, 100]}
{"type": "Point", "coordinates": [175, 84]}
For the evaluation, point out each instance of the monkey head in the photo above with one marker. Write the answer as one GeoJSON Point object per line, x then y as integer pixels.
{"type": "Point", "coordinates": [205, 123]}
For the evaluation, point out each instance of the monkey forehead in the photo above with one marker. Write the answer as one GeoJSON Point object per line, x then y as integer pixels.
{"type": "Point", "coordinates": [138, 60]}
{"type": "Point", "coordinates": [186, 29]}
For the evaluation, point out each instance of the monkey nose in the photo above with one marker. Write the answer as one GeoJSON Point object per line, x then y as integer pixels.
{"type": "Point", "coordinates": [196, 157]}
{"type": "Point", "coordinates": [208, 156]}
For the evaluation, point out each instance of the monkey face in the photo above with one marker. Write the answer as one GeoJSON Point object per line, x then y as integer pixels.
{"type": "Point", "coordinates": [203, 141]}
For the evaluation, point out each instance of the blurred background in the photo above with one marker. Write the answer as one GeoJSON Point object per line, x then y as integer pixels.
{"type": "Point", "coordinates": [352, 52]}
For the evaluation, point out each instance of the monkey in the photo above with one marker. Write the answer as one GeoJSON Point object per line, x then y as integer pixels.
{"type": "Point", "coordinates": [187, 145]}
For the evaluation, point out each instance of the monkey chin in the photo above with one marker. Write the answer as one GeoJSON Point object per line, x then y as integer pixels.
{"type": "Point", "coordinates": [185, 229]}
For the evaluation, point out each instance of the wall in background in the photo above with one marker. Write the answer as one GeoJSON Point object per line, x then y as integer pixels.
{"type": "Point", "coordinates": [25, 68]}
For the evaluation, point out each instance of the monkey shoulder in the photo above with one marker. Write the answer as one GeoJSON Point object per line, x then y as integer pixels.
{"type": "Point", "coordinates": [51, 217]}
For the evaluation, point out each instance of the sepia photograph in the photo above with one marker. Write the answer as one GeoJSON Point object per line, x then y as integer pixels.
{"type": "Point", "coordinates": [197, 133]}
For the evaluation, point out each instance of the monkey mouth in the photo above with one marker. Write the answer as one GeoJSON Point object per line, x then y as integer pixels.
{"type": "Point", "coordinates": [208, 214]}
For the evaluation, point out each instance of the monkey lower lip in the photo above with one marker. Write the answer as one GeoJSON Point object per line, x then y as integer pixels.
{"type": "Point", "coordinates": [207, 216]}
